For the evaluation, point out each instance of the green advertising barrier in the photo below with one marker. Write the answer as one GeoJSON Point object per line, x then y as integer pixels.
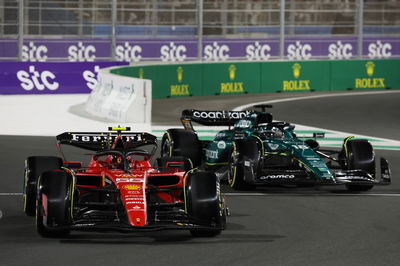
{"type": "Point", "coordinates": [231, 78]}
{"type": "Point", "coordinates": [295, 76]}
{"type": "Point", "coordinates": [365, 74]}
{"type": "Point", "coordinates": [203, 79]}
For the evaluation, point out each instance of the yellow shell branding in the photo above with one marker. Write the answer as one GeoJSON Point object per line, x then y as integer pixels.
{"type": "Point", "coordinates": [232, 72]}
{"type": "Point", "coordinates": [370, 67]}
{"type": "Point", "coordinates": [296, 70]}
{"type": "Point", "coordinates": [132, 187]}
{"type": "Point", "coordinates": [179, 72]}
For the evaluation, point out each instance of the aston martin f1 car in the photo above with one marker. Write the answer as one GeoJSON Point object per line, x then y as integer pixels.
{"type": "Point", "coordinates": [257, 151]}
{"type": "Point", "coordinates": [120, 190]}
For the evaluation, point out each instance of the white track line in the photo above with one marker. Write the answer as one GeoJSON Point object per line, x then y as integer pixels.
{"type": "Point", "coordinates": [242, 107]}
{"type": "Point", "coordinates": [11, 194]}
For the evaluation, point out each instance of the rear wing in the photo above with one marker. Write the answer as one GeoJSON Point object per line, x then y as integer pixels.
{"type": "Point", "coordinates": [98, 141]}
{"type": "Point", "coordinates": [211, 118]}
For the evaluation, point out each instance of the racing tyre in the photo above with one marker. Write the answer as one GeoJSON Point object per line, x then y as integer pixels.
{"type": "Point", "coordinates": [181, 142]}
{"type": "Point", "coordinates": [359, 155]}
{"type": "Point", "coordinates": [236, 173]}
{"type": "Point", "coordinates": [34, 167]}
{"type": "Point", "coordinates": [205, 203]}
{"type": "Point", "coordinates": [53, 204]}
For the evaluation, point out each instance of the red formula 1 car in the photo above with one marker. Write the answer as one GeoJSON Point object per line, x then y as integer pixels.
{"type": "Point", "coordinates": [119, 189]}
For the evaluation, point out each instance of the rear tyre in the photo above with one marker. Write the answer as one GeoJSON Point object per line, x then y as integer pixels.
{"type": "Point", "coordinates": [204, 203]}
{"type": "Point", "coordinates": [34, 167]}
{"type": "Point", "coordinates": [181, 142]}
{"type": "Point", "coordinates": [53, 204]}
{"type": "Point", "coordinates": [359, 155]}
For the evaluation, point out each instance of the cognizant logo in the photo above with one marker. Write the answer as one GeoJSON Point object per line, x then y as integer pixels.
{"type": "Point", "coordinates": [35, 79]}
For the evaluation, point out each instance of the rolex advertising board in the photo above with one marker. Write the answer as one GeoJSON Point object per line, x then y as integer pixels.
{"type": "Point", "coordinates": [233, 78]}
{"type": "Point", "coordinates": [365, 74]}
{"type": "Point", "coordinates": [294, 76]}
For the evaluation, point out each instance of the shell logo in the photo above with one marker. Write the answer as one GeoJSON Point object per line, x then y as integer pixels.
{"type": "Point", "coordinates": [132, 187]}
{"type": "Point", "coordinates": [370, 68]}
{"type": "Point", "coordinates": [296, 70]}
{"type": "Point", "coordinates": [232, 72]}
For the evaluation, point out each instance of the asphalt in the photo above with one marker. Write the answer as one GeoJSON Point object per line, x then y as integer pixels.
{"type": "Point", "coordinates": [270, 226]}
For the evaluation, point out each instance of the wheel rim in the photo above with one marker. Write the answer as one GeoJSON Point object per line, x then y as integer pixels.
{"type": "Point", "coordinates": [166, 148]}
{"type": "Point", "coordinates": [232, 168]}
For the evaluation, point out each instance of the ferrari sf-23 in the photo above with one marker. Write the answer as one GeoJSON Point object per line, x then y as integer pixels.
{"type": "Point", "coordinates": [257, 151]}
{"type": "Point", "coordinates": [120, 189]}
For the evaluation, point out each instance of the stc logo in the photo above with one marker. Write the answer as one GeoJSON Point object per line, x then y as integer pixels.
{"type": "Point", "coordinates": [34, 53]}
{"type": "Point", "coordinates": [340, 50]}
{"type": "Point", "coordinates": [91, 77]}
{"type": "Point", "coordinates": [39, 80]}
{"type": "Point", "coordinates": [173, 52]}
{"type": "Point", "coordinates": [299, 51]}
{"type": "Point", "coordinates": [128, 53]}
{"type": "Point", "coordinates": [257, 51]}
{"type": "Point", "coordinates": [379, 50]}
{"type": "Point", "coordinates": [81, 53]}
{"type": "Point", "coordinates": [215, 52]}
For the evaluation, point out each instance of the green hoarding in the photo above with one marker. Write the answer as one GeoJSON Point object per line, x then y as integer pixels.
{"type": "Point", "coordinates": [365, 74]}
{"type": "Point", "coordinates": [231, 78]}
{"type": "Point", "coordinates": [295, 76]}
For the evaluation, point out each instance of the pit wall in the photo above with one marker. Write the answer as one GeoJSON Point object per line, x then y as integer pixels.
{"type": "Point", "coordinates": [203, 79]}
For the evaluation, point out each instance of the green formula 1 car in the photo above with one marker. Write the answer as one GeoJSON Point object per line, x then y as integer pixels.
{"type": "Point", "coordinates": [257, 151]}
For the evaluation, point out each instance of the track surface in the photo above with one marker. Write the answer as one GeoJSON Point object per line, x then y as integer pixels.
{"type": "Point", "coordinates": [275, 226]}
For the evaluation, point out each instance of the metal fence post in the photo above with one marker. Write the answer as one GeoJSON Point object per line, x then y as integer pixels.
{"type": "Point", "coordinates": [282, 30]}
{"type": "Point", "coordinates": [360, 28]}
{"type": "Point", "coordinates": [200, 30]}
{"type": "Point", "coordinates": [113, 28]}
{"type": "Point", "coordinates": [20, 28]}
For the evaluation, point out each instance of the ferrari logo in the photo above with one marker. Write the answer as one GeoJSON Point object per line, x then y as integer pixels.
{"type": "Point", "coordinates": [296, 70]}
{"type": "Point", "coordinates": [179, 71]}
{"type": "Point", "coordinates": [370, 67]}
{"type": "Point", "coordinates": [132, 187]}
{"type": "Point", "coordinates": [232, 72]}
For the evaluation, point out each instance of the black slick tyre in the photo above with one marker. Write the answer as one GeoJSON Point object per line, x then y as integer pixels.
{"type": "Point", "coordinates": [53, 204]}
{"type": "Point", "coordinates": [34, 167]}
{"type": "Point", "coordinates": [181, 142]}
{"type": "Point", "coordinates": [205, 204]}
{"type": "Point", "coordinates": [359, 155]}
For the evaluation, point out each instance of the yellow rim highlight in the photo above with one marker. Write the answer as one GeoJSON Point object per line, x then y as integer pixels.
{"type": "Point", "coordinates": [184, 187]}
{"type": "Point", "coordinates": [231, 184]}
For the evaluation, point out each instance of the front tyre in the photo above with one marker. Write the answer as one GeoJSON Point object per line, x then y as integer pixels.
{"type": "Point", "coordinates": [53, 204]}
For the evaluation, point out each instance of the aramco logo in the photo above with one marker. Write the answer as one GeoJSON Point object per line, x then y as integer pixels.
{"type": "Point", "coordinates": [179, 72]}
{"type": "Point", "coordinates": [232, 72]}
{"type": "Point", "coordinates": [296, 70]}
{"type": "Point", "coordinates": [370, 67]}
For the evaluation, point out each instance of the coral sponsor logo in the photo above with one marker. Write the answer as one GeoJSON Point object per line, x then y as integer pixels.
{"type": "Point", "coordinates": [34, 53]}
{"type": "Point", "coordinates": [257, 51]}
{"type": "Point", "coordinates": [216, 52]}
{"type": "Point", "coordinates": [179, 89]}
{"type": "Point", "coordinates": [39, 80]}
{"type": "Point", "coordinates": [81, 53]}
{"type": "Point", "coordinates": [173, 52]}
{"type": "Point", "coordinates": [299, 51]}
{"type": "Point", "coordinates": [296, 85]}
{"type": "Point", "coordinates": [128, 52]}
{"type": "Point", "coordinates": [340, 50]}
{"type": "Point", "coordinates": [231, 87]}
{"type": "Point", "coordinates": [366, 83]}
{"type": "Point", "coordinates": [379, 49]}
